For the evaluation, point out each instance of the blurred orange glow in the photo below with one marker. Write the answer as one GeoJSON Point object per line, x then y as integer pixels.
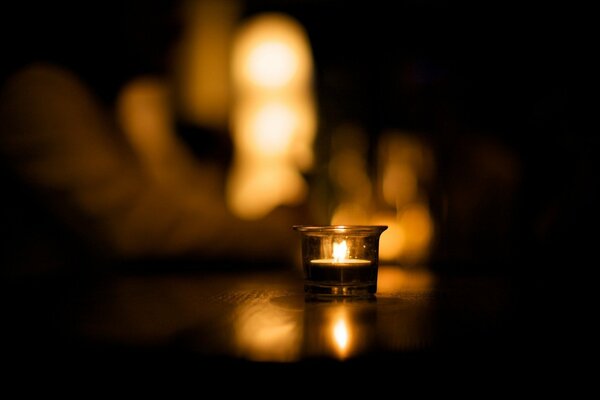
{"type": "Point", "coordinates": [399, 184]}
{"type": "Point", "coordinates": [272, 52]}
{"type": "Point", "coordinates": [265, 332]}
{"type": "Point", "coordinates": [416, 221]}
{"type": "Point", "coordinates": [391, 242]}
{"type": "Point", "coordinates": [280, 128]}
{"type": "Point", "coordinates": [272, 64]}
{"type": "Point", "coordinates": [350, 214]}
{"type": "Point", "coordinates": [146, 118]}
{"type": "Point", "coordinates": [348, 170]}
{"type": "Point", "coordinates": [258, 188]}
{"type": "Point", "coordinates": [405, 170]}
{"type": "Point", "coordinates": [408, 236]}
{"type": "Point", "coordinates": [273, 119]}
{"type": "Point", "coordinates": [203, 61]}
{"type": "Point", "coordinates": [273, 128]}
{"type": "Point", "coordinates": [393, 279]}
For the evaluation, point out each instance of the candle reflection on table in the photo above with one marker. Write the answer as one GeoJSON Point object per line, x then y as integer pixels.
{"type": "Point", "coordinates": [265, 317]}
{"type": "Point", "coordinates": [267, 332]}
{"type": "Point", "coordinates": [339, 330]}
{"type": "Point", "coordinates": [284, 326]}
{"type": "Point", "coordinates": [341, 334]}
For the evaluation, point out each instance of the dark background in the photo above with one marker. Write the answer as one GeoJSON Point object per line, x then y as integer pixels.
{"type": "Point", "coordinates": [489, 86]}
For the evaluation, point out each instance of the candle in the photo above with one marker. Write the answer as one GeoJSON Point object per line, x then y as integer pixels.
{"type": "Point", "coordinates": [340, 260]}
{"type": "Point", "coordinates": [341, 270]}
{"type": "Point", "coordinates": [348, 262]}
{"type": "Point", "coordinates": [340, 257]}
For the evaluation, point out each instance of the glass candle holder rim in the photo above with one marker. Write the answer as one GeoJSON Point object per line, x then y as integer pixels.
{"type": "Point", "coordinates": [341, 228]}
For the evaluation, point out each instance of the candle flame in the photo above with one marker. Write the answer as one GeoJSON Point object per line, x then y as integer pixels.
{"type": "Point", "coordinates": [340, 250]}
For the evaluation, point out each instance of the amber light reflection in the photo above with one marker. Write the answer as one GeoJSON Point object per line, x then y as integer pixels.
{"type": "Point", "coordinates": [342, 339]}
{"type": "Point", "coordinates": [266, 332]}
{"type": "Point", "coordinates": [408, 327]}
{"type": "Point", "coordinates": [340, 330]}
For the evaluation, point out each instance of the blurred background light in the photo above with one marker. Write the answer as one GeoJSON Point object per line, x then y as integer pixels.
{"type": "Point", "coordinates": [273, 119]}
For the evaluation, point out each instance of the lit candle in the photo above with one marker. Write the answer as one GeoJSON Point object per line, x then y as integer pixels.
{"type": "Point", "coordinates": [340, 260]}
{"type": "Point", "coordinates": [340, 257]}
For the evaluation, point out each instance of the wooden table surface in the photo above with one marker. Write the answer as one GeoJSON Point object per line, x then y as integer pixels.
{"type": "Point", "coordinates": [257, 318]}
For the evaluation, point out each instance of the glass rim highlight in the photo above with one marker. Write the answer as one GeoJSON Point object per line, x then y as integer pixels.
{"type": "Point", "coordinates": [340, 228]}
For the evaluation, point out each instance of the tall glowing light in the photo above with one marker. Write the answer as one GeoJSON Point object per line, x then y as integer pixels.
{"type": "Point", "coordinates": [273, 119]}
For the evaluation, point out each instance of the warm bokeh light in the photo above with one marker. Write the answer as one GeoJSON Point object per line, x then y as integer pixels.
{"type": "Point", "coordinates": [404, 174]}
{"type": "Point", "coordinates": [348, 171]}
{"type": "Point", "coordinates": [409, 235]}
{"type": "Point", "coordinates": [350, 214]}
{"type": "Point", "coordinates": [393, 279]}
{"type": "Point", "coordinates": [272, 64]}
{"type": "Point", "coordinates": [273, 120]}
{"type": "Point", "coordinates": [257, 189]}
{"type": "Point", "coordinates": [391, 242]}
{"type": "Point", "coordinates": [265, 332]}
{"type": "Point", "coordinates": [416, 221]}
{"type": "Point", "coordinates": [405, 168]}
{"type": "Point", "coordinates": [399, 184]}
{"type": "Point", "coordinates": [203, 61]}
{"type": "Point", "coordinates": [146, 118]}
{"type": "Point", "coordinates": [272, 52]}
{"type": "Point", "coordinates": [275, 127]}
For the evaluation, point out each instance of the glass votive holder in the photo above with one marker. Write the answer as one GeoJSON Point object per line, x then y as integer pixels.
{"type": "Point", "coordinates": [340, 260]}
